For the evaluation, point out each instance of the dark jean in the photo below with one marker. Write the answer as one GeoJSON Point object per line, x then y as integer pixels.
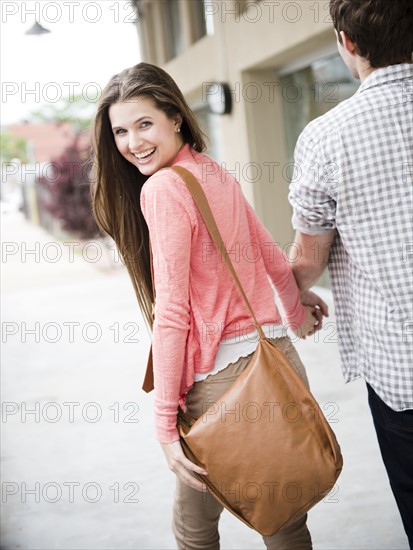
{"type": "Point", "coordinates": [395, 435]}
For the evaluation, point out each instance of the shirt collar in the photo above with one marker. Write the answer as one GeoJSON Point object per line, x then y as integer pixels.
{"type": "Point", "coordinates": [183, 153]}
{"type": "Point", "coordinates": [388, 74]}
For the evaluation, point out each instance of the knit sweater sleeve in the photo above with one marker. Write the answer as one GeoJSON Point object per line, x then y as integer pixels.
{"type": "Point", "coordinates": [279, 271]}
{"type": "Point", "coordinates": [166, 213]}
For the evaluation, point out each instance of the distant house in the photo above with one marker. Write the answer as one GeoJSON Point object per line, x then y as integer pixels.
{"type": "Point", "coordinates": [47, 140]}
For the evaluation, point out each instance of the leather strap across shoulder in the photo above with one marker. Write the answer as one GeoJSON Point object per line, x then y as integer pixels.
{"type": "Point", "coordinates": [201, 202]}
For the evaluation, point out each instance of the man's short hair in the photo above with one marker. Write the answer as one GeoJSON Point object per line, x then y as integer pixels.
{"type": "Point", "coordinates": [381, 29]}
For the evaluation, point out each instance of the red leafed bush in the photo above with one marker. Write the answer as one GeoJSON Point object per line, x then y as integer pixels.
{"type": "Point", "coordinates": [65, 189]}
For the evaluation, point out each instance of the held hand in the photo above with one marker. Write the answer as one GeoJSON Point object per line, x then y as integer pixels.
{"type": "Point", "coordinates": [181, 466]}
{"type": "Point", "coordinates": [311, 299]}
{"type": "Point", "coordinates": [310, 324]}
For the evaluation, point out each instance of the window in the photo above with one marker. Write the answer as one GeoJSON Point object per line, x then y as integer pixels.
{"type": "Point", "coordinates": [173, 30]}
{"type": "Point", "coordinates": [198, 19]}
{"type": "Point", "coordinates": [192, 19]}
{"type": "Point", "coordinates": [202, 15]}
{"type": "Point", "coordinates": [312, 91]}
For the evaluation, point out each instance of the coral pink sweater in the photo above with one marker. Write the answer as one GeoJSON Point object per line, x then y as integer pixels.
{"type": "Point", "coordinates": [197, 301]}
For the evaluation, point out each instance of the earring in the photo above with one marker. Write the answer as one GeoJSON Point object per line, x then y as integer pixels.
{"type": "Point", "coordinates": [178, 129]}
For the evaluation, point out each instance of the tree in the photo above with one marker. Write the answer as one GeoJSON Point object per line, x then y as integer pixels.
{"type": "Point", "coordinates": [65, 189]}
{"type": "Point", "coordinates": [75, 110]}
{"type": "Point", "coordinates": [13, 148]}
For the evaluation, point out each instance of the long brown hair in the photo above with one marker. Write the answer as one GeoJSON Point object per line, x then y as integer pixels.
{"type": "Point", "coordinates": [117, 184]}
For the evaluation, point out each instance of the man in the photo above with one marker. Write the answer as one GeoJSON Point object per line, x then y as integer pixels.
{"type": "Point", "coordinates": [352, 209]}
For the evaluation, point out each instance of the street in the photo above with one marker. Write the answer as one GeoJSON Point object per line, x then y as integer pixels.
{"type": "Point", "coordinates": [81, 468]}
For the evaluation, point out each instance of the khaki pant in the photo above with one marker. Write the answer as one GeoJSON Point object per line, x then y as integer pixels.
{"type": "Point", "coordinates": [195, 514]}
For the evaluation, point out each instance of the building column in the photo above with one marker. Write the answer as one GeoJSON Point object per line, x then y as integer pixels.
{"type": "Point", "coordinates": [187, 23]}
{"type": "Point", "coordinates": [266, 142]}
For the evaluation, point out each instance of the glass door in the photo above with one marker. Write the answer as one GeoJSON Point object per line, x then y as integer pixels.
{"type": "Point", "coordinates": [309, 93]}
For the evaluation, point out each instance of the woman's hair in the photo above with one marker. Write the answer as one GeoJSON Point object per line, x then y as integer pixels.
{"type": "Point", "coordinates": [381, 29]}
{"type": "Point", "coordinates": [117, 184]}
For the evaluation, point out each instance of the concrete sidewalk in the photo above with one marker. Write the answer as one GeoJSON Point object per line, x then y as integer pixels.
{"type": "Point", "coordinates": [83, 470]}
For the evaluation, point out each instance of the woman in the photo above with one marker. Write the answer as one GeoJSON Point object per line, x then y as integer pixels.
{"type": "Point", "coordinates": [203, 335]}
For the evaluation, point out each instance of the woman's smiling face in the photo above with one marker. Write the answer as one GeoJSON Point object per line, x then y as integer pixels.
{"type": "Point", "coordinates": [144, 135]}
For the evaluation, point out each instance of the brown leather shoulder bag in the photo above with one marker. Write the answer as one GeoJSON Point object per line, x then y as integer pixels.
{"type": "Point", "coordinates": [272, 462]}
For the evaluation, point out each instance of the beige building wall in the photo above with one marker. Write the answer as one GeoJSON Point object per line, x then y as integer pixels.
{"type": "Point", "coordinates": [251, 43]}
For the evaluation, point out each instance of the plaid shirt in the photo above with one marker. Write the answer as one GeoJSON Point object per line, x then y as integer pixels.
{"type": "Point", "coordinates": [354, 172]}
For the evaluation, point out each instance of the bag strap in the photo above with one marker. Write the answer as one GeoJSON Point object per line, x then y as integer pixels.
{"type": "Point", "coordinates": [201, 202]}
{"type": "Point", "coordinates": [148, 382]}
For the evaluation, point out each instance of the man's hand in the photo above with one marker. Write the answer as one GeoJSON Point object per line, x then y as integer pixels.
{"type": "Point", "coordinates": [181, 466]}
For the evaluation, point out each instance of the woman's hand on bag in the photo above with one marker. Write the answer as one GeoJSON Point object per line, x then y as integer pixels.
{"type": "Point", "coordinates": [182, 467]}
{"type": "Point", "coordinates": [310, 324]}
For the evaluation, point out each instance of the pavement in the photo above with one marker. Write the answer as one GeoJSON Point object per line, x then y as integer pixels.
{"type": "Point", "coordinates": [80, 466]}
